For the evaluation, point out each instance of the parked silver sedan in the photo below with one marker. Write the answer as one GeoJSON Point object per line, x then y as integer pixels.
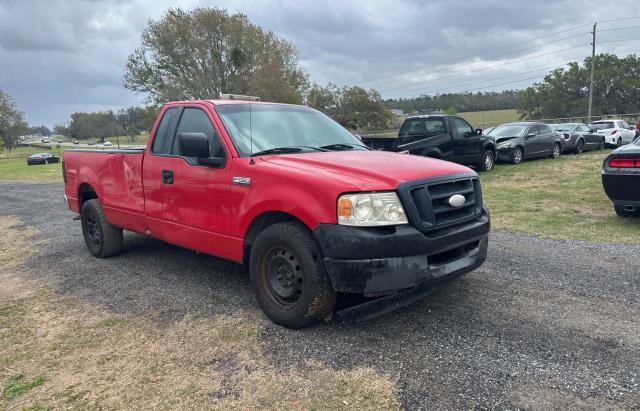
{"type": "Point", "coordinates": [579, 137]}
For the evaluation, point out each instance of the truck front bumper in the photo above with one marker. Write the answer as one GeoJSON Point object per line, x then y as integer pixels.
{"type": "Point", "coordinates": [377, 261]}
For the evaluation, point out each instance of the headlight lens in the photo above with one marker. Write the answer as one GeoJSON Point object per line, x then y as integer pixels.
{"type": "Point", "coordinates": [504, 144]}
{"type": "Point", "coordinates": [371, 209]}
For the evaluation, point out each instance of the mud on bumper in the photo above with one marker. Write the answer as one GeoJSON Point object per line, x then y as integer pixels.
{"type": "Point", "coordinates": [386, 260]}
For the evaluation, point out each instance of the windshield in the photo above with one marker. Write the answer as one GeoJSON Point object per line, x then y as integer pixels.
{"type": "Point", "coordinates": [420, 126]}
{"type": "Point", "coordinates": [602, 126]}
{"type": "Point", "coordinates": [274, 126]}
{"type": "Point", "coordinates": [508, 130]}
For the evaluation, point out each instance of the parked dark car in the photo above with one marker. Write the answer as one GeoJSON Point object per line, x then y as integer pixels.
{"type": "Point", "coordinates": [621, 179]}
{"type": "Point", "coordinates": [579, 137]}
{"type": "Point", "coordinates": [42, 158]}
{"type": "Point", "coordinates": [517, 141]}
{"type": "Point", "coordinates": [441, 136]}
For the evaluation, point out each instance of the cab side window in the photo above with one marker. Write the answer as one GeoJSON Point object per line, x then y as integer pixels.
{"type": "Point", "coordinates": [461, 127]}
{"type": "Point", "coordinates": [533, 130]}
{"type": "Point", "coordinates": [163, 138]}
{"type": "Point", "coordinates": [543, 129]}
{"type": "Point", "coordinates": [195, 120]}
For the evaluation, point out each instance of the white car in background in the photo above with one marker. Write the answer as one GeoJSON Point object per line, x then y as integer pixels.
{"type": "Point", "coordinates": [616, 132]}
{"type": "Point", "coordinates": [107, 144]}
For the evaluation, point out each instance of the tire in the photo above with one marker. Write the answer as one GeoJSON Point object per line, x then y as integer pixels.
{"type": "Point", "coordinates": [624, 213]}
{"type": "Point", "coordinates": [602, 145]}
{"type": "Point", "coordinates": [619, 142]}
{"type": "Point", "coordinates": [579, 147]}
{"type": "Point", "coordinates": [556, 150]}
{"type": "Point", "coordinates": [517, 155]}
{"type": "Point", "coordinates": [488, 161]}
{"type": "Point", "coordinates": [102, 238]}
{"type": "Point", "coordinates": [289, 278]}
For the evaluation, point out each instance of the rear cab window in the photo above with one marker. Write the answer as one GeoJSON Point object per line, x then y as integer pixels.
{"type": "Point", "coordinates": [422, 126]}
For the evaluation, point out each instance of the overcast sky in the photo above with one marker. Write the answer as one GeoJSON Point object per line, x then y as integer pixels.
{"type": "Point", "coordinates": [58, 57]}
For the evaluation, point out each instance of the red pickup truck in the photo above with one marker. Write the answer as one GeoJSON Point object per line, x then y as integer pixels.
{"type": "Point", "coordinates": [290, 193]}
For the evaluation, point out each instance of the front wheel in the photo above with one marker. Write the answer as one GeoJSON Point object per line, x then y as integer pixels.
{"type": "Point", "coordinates": [556, 151]}
{"type": "Point", "coordinates": [289, 278]}
{"type": "Point", "coordinates": [517, 155]}
{"type": "Point", "coordinates": [619, 143]}
{"type": "Point", "coordinates": [488, 160]}
{"type": "Point", "coordinates": [602, 144]}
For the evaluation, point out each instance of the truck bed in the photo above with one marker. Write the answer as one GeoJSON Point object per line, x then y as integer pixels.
{"type": "Point", "coordinates": [117, 172]}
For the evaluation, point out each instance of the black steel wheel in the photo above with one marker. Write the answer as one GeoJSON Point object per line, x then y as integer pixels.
{"type": "Point", "coordinates": [102, 238]}
{"type": "Point", "coordinates": [288, 276]}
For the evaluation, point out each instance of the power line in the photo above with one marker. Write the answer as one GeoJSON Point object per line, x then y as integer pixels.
{"type": "Point", "coordinates": [617, 41]}
{"type": "Point", "coordinates": [476, 54]}
{"type": "Point", "coordinates": [449, 68]}
{"type": "Point", "coordinates": [487, 68]}
{"type": "Point", "coordinates": [621, 28]}
{"type": "Point", "coordinates": [456, 86]}
{"type": "Point", "coordinates": [489, 51]}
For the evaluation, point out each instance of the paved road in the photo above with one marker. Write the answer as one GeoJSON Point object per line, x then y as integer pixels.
{"type": "Point", "coordinates": [543, 324]}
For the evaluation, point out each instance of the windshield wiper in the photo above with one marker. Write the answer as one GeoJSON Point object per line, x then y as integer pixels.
{"type": "Point", "coordinates": [342, 146]}
{"type": "Point", "coordinates": [285, 150]}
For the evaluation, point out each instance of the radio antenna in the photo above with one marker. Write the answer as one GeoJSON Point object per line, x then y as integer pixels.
{"type": "Point", "coordinates": [251, 132]}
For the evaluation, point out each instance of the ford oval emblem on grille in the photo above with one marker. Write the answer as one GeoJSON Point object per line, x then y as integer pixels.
{"type": "Point", "coordinates": [457, 200]}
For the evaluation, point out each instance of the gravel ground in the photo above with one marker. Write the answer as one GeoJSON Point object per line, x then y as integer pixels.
{"type": "Point", "coordinates": [543, 324]}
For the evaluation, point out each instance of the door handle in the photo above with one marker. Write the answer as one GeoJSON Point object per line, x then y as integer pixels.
{"type": "Point", "coordinates": [167, 176]}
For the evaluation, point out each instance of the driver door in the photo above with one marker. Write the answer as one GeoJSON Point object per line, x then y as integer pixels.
{"type": "Point", "coordinates": [466, 144]}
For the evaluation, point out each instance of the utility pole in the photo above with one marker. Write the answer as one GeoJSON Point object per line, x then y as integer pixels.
{"type": "Point", "coordinates": [593, 65]}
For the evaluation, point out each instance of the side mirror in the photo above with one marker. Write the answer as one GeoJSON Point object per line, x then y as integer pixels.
{"type": "Point", "coordinates": [193, 145]}
{"type": "Point", "coordinates": [530, 135]}
{"type": "Point", "coordinates": [197, 145]}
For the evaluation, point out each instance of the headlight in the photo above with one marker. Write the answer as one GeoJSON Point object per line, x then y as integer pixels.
{"type": "Point", "coordinates": [371, 209]}
{"type": "Point", "coordinates": [504, 144]}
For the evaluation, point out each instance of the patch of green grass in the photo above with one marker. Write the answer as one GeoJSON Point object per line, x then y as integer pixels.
{"type": "Point", "coordinates": [490, 118]}
{"type": "Point", "coordinates": [560, 199]}
{"type": "Point", "coordinates": [17, 169]}
{"type": "Point", "coordinates": [18, 385]}
{"type": "Point", "coordinates": [26, 151]}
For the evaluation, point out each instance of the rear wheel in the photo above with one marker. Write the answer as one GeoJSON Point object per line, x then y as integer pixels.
{"type": "Point", "coordinates": [288, 276]}
{"type": "Point", "coordinates": [579, 147]}
{"type": "Point", "coordinates": [625, 213]}
{"type": "Point", "coordinates": [556, 150]}
{"type": "Point", "coordinates": [517, 156]}
{"type": "Point", "coordinates": [102, 238]}
{"type": "Point", "coordinates": [488, 161]}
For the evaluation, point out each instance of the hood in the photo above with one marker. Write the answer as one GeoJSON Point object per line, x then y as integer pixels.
{"type": "Point", "coordinates": [501, 139]}
{"type": "Point", "coordinates": [368, 170]}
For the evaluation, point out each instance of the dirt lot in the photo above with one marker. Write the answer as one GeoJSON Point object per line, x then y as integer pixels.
{"type": "Point", "coordinates": [543, 324]}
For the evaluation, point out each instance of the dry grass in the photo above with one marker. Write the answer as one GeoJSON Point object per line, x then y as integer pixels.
{"type": "Point", "coordinates": [74, 354]}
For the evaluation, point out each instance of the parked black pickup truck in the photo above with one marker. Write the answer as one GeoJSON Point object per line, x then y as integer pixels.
{"type": "Point", "coordinates": [441, 136]}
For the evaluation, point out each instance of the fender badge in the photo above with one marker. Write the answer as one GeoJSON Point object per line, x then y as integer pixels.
{"type": "Point", "coordinates": [457, 200]}
{"type": "Point", "coordinates": [243, 181]}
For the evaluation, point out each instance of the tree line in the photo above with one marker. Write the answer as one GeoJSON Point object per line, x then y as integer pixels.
{"type": "Point", "coordinates": [457, 102]}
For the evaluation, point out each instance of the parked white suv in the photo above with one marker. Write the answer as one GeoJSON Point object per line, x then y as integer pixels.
{"type": "Point", "coordinates": [616, 132]}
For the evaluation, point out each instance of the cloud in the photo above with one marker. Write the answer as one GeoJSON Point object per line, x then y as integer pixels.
{"type": "Point", "coordinates": [63, 56]}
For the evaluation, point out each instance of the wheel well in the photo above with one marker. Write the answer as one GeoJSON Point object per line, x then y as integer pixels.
{"type": "Point", "coordinates": [261, 222]}
{"type": "Point", "coordinates": [491, 147]}
{"type": "Point", "coordinates": [85, 193]}
{"type": "Point", "coordinates": [432, 154]}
